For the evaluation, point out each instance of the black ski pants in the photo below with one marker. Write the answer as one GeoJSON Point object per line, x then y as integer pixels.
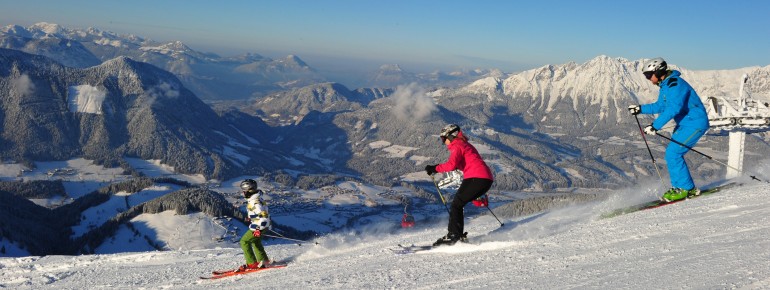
{"type": "Point", "coordinates": [469, 190]}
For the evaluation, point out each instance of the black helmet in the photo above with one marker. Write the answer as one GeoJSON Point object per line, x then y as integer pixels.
{"type": "Point", "coordinates": [449, 132]}
{"type": "Point", "coordinates": [249, 187]}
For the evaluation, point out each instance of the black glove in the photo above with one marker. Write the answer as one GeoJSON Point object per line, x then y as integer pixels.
{"type": "Point", "coordinates": [430, 169]}
{"type": "Point", "coordinates": [634, 109]}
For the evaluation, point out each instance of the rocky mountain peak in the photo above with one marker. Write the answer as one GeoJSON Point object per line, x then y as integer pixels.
{"type": "Point", "coordinates": [295, 60]}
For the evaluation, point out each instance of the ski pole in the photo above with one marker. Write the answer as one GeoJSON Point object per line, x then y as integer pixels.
{"type": "Point", "coordinates": [493, 214]}
{"type": "Point", "coordinates": [648, 149]}
{"type": "Point", "coordinates": [285, 238]}
{"type": "Point", "coordinates": [709, 157]}
{"type": "Point", "coordinates": [439, 193]}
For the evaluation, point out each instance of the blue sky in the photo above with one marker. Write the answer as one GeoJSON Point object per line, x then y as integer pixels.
{"type": "Point", "coordinates": [427, 34]}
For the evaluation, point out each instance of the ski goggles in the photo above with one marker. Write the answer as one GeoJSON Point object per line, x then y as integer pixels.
{"type": "Point", "coordinates": [443, 139]}
{"type": "Point", "coordinates": [648, 74]}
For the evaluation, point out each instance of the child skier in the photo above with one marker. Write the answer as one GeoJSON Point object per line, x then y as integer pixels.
{"type": "Point", "coordinates": [477, 179]}
{"type": "Point", "coordinates": [251, 241]}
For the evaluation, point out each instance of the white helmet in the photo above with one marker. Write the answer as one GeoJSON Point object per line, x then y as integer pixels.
{"type": "Point", "coordinates": [450, 131]}
{"type": "Point", "coordinates": [654, 65]}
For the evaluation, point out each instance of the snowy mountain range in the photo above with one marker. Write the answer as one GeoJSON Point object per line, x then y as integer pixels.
{"type": "Point", "coordinates": [122, 108]}
{"type": "Point", "coordinates": [209, 76]}
{"type": "Point", "coordinates": [336, 158]}
{"type": "Point", "coordinates": [540, 128]}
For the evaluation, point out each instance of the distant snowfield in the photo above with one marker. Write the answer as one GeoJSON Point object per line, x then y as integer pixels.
{"type": "Point", "coordinates": [392, 151]}
{"type": "Point", "coordinates": [81, 176]}
{"type": "Point", "coordinates": [312, 153]}
{"type": "Point", "coordinates": [154, 168]}
{"type": "Point", "coordinates": [398, 151]}
{"type": "Point", "coordinates": [418, 159]}
{"type": "Point", "coordinates": [77, 169]}
{"type": "Point", "coordinates": [717, 241]}
{"type": "Point", "coordinates": [85, 99]}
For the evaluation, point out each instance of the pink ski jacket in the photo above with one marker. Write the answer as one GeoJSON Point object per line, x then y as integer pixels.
{"type": "Point", "coordinates": [463, 156]}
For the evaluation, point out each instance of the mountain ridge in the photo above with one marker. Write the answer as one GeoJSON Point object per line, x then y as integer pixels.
{"type": "Point", "coordinates": [141, 116]}
{"type": "Point", "coordinates": [209, 75]}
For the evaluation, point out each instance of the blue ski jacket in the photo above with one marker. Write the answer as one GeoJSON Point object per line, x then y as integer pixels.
{"type": "Point", "coordinates": [677, 100]}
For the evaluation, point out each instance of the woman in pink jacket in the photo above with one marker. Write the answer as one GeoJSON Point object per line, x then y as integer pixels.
{"type": "Point", "coordinates": [477, 179]}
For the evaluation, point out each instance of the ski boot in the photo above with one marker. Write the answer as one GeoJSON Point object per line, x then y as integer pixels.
{"type": "Point", "coordinates": [464, 238]}
{"type": "Point", "coordinates": [247, 267]}
{"type": "Point", "coordinates": [264, 264]}
{"type": "Point", "coordinates": [451, 239]}
{"type": "Point", "coordinates": [675, 194]}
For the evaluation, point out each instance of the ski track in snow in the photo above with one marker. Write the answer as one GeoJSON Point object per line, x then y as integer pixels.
{"type": "Point", "coordinates": [717, 241]}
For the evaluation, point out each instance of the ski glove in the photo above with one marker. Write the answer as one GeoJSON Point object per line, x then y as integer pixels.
{"type": "Point", "coordinates": [431, 169]}
{"type": "Point", "coordinates": [650, 130]}
{"type": "Point", "coordinates": [257, 233]}
{"type": "Point", "coordinates": [634, 109]}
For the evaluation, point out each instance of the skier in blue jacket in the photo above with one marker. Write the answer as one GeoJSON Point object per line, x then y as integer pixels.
{"type": "Point", "coordinates": [677, 100]}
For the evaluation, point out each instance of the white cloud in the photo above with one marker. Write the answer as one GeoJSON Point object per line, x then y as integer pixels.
{"type": "Point", "coordinates": [23, 85]}
{"type": "Point", "coordinates": [168, 90]}
{"type": "Point", "coordinates": [412, 103]}
{"type": "Point", "coordinates": [163, 90]}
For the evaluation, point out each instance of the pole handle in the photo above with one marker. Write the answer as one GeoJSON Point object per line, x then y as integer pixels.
{"type": "Point", "coordinates": [439, 193]}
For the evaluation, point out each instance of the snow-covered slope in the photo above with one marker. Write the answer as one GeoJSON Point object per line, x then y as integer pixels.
{"type": "Point", "coordinates": [718, 241]}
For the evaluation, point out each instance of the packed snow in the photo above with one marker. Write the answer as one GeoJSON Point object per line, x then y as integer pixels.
{"type": "Point", "coordinates": [716, 241]}
{"type": "Point", "coordinates": [181, 232]}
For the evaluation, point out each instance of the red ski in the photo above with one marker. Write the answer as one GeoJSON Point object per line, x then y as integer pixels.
{"type": "Point", "coordinates": [230, 273]}
{"type": "Point", "coordinates": [220, 272]}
